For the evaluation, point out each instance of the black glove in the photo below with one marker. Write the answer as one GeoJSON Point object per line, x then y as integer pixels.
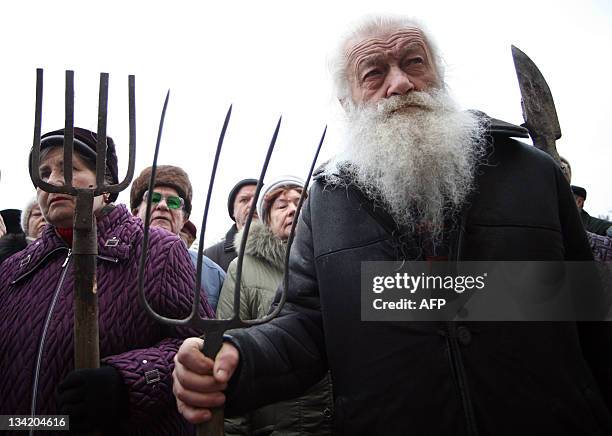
{"type": "Point", "coordinates": [94, 398]}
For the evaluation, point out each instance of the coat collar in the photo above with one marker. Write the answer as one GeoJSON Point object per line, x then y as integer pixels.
{"type": "Point", "coordinates": [228, 242]}
{"type": "Point", "coordinates": [263, 244]}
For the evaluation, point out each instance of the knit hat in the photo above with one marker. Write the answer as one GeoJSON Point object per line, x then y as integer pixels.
{"type": "Point", "coordinates": [234, 193]}
{"type": "Point", "coordinates": [579, 191]}
{"type": "Point", "coordinates": [85, 142]}
{"type": "Point", "coordinates": [272, 185]}
{"type": "Point", "coordinates": [165, 175]}
{"type": "Point", "coordinates": [25, 214]}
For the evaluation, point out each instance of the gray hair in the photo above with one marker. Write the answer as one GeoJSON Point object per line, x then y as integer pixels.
{"type": "Point", "coordinates": [371, 25]}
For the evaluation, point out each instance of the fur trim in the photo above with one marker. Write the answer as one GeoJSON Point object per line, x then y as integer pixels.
{"type": "Point", "coordinates": [165, 175]}
{"type": "Point", "coordinates": [263, 244]}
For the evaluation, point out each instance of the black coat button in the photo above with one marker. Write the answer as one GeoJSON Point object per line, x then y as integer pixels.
{"type": "Point", "coordinates": [327, 413]}
{"type": "Point", "coordinates": [464, 336]}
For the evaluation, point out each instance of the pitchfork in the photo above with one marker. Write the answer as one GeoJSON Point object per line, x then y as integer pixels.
{"type": "Point", "coordinates": [85, 244]}
{"type": "Point", "coordinates": [213, 329]}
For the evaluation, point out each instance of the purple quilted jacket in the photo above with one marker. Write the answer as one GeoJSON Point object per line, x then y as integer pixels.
{"type": "Point", "coordinates": [36, 321]}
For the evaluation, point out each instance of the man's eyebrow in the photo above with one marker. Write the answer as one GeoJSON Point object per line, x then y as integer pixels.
{"type": "Point", "coordinates": [411, 48]}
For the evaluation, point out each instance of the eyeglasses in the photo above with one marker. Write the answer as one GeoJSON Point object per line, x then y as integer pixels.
{"type": "Point", "coordinates": [172, 201]}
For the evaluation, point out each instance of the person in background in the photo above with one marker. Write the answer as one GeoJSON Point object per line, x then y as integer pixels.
{"type": "Point", "coordinates": [32, 220]}
{"type": "Point", "coordinates": [238, 207]}
{"type": "Point", "coordinates": [170, 210]}
{"type": "Point", "coordinates": [591, 224]}
{"type": "Point", "coordinates": [566, 169]}
{"type": "Point", "coordinates": [12, 238]}
{"type": "Point", "coordinates": [262, 273]}
{"type": "Point", "coordinates": [189, 233]}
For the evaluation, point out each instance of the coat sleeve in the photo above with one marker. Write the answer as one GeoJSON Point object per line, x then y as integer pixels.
{"type": "Point", "coordinates": [147, 372]}
{"type": "Point", "coordinates": [282, 358]}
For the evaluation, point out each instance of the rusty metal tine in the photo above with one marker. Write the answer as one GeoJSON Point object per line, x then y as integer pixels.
{"type": "Point", "coordinates": [145, 237]}
{"type": "Point", "coordinates": [208, 196]}
{"type": "Point", "coordinates": [102, 120]}
{"type": "Point", "coordinates": [35, 160]}
{"type": "Point", "coordinates": [35, 155]}
{"type": "Point", "coordinates": [132, 151]}
{"type": "Point", "coordinates": [247, 226]}
{"type": "Point", "coordinates": [296, 218]}
{"type": "Point", "coordinates": [69, 127]}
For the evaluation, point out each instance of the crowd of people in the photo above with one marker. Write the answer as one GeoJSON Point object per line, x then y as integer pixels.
{"type": "Point", "coordinates": [418, 180]}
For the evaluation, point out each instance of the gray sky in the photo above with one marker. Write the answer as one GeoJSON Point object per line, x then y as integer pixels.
{"type": "Point", "coordinates": [269, 58]}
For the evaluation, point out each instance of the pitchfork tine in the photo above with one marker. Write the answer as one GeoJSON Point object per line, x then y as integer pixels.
{"type": "Point", "coordinates": [102, 118]}
{"type": "Point", "coordinates": [247, 225]}
{"type": "Point", "coordinates": [132, 152]}
{"type": "Point", "coordinates": [296, 218]}
{"type": "Point", "coordinates": [145, 237]}
{"type": "Point", "coordinates": [35, 161]}
{"type": "Point", "coordinates": [69, 127]}
{"type": "Point", "coordinates": [208, 196]}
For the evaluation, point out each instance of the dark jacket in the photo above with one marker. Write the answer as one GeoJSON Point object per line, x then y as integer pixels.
{"type": "Point", "coordinates": [433, 378]}
{"type": "Point", "coordinates": [595, 225]}
{"type": "Point", "coordinates": [262, 272]}
{"type": "Point", "coordinates": [36, 321]}
{"type": "Point", "coordinates": [223, 252]}
{"type": "Point", "coordinates": [10, 244]}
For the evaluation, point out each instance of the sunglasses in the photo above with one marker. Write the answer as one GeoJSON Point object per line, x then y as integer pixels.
{"type": "Point", "coordinates": [172, 201]}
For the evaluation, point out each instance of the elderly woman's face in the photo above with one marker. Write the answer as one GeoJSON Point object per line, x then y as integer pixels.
{"type": "Point", "coordinates": [282, 213]}
{"type": "Point", "coordinates": [58, 209]}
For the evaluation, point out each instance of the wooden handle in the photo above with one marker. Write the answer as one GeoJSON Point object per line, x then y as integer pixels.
{"type": "Point", "coordinates": [214, 427]}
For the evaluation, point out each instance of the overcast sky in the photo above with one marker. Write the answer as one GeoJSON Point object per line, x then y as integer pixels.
{"type": "Point", "coordinates": [269, 58]}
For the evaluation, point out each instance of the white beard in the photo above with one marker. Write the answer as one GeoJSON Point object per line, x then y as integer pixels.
{"type": "Point", "coordinates": [415, 155]}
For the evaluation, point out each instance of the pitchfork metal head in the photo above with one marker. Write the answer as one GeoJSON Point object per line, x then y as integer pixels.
{"type": "Point", "coordinates": [213, 328]}
{"type": "Point", "coordinates": [101, 146]}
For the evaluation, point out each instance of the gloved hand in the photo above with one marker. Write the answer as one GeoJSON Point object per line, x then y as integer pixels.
{"type": "Point", "coordinates": [94, 398]}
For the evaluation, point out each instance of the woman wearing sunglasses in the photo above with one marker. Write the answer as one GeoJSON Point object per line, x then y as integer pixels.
{"type": "Point", "coordinates": [262, 273]}
{"type": "Point", "coordinates": [170, 209]}
{"type": "Point", "coordinates": [131, 392]}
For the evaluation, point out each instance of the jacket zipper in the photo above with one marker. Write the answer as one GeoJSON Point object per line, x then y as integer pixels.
{"type": "Point", "coordinates": [44, 333]}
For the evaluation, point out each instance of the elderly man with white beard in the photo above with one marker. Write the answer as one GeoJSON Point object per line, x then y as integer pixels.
{"type": "Point", "coordinates": [418, 180]}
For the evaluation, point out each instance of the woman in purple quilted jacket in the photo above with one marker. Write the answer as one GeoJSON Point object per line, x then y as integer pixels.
{"type": "Point", "coordinates": [131, 392]}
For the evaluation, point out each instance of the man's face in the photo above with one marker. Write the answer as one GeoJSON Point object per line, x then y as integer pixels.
{"type": "Point", "coordinates": [282, 213]}
{"type": "Point", "coordinates": [579, 201]}
{"type": "Point", "coordinates": [242, 205]}
{"type": "Point", "coordinates": [36, 223]}
{"type": "Point", "coordinates": [172, 220]}
{"type": "Point", "coordinates": [389, 64]}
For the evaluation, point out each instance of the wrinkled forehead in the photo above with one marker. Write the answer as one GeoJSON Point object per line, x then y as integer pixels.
{"type": "Point", "coordinates": [385, 43]}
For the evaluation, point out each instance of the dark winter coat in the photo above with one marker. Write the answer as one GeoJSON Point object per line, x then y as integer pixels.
{"type": "Point", "coordinates": [36, 321]}
{"type": "Point", "coordinates": [595, 225]}
{"type": "Point", "coordinates": [262, 272]}
{"type": "Point", "coordinates": [223, 252]}
{"type": "Point", "coordinates": [434, 378]}
{"type": "Point", "coordinates": [10, 244]}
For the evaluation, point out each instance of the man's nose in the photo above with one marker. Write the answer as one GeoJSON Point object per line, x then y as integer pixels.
{"type": "Point", "coordinates": [398, 82]}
